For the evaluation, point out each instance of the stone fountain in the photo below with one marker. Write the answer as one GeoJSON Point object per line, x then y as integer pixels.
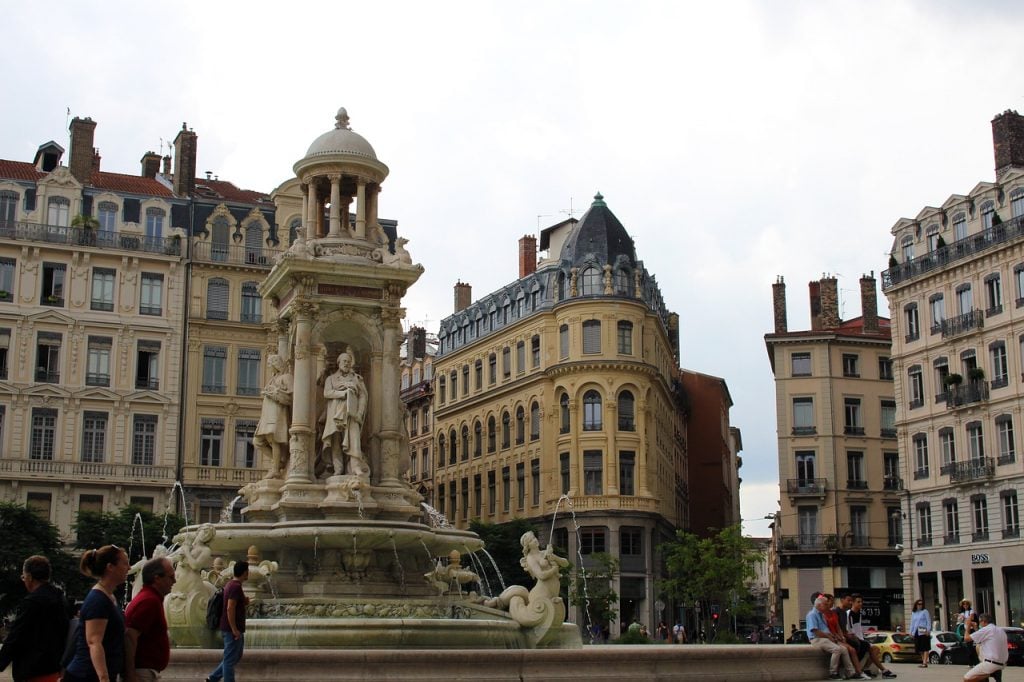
{"type": "Point", "coordinates": [346, 560]}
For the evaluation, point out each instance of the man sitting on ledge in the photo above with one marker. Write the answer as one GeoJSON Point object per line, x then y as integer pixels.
{"type": "Point", "coordinates": [821, 638]}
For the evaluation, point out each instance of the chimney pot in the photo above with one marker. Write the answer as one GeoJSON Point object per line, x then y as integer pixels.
{"type": "Point", "coordinates": [527, 255]}
{"type": "Point", "coordinates": [779, 304]}
{"type": "Point", "coordinates": [1008, 141]}
{"type": "Point", "coordinates": [869, 303]}
{"type": "Point", "coordinates": [463, 295]}
{"type": "Point", "coordinates": [150, 164]}
{"type": "Point", "coordinates": [185, 152]}
{"type": "Point", "coordinates": [83, 131]}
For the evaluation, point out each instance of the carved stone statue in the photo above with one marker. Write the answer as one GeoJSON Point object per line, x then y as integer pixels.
{"type": "Point", "coordinates": [452, 577]}
{"type": "Point", "coordinates": [186, 604]}
{"type": "Point", "coordinates": [159, 552]}
{"type": "Point", "coordinates": [346, 408]}
{"type": "Point", "coordinates": [271, 437]}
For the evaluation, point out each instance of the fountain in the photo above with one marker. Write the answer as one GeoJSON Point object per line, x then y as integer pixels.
{"type": "Point", "coordinates": [334, 521]}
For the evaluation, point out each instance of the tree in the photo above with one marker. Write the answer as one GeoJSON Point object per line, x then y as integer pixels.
{"type": "Point", "coordinates": [95, 529]}
{"type": "Point", "coordinates": [592, 589]}
{"type": "Point", "coordinates": [710, 571]}
{"type": "Point", "coordinates": [501, 540]}
{"type": "Point", "coordinates": [24, 533]}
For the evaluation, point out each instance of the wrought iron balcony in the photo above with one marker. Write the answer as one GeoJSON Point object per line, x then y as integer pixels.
{"type": "Point", "coordinates": [145, 383]}
{"type": "Point", "coordinates": [979, 536]}
{"type": "Point", "coordinates": [856, 484]}
{"type": "Point", "coordinates": [813, 487]}
{"type": "Point", "coordinates": [975, 469]}
{"type": "Point", "coordinates": [961, 324]}
{"type": "Point", "coordinates": [806, 542]}
{"type": "Point", "coordinates": [97, 379]}
{"type": "Point", "coordinates": [951, 539]}
{"type": "Point", "coordinates": [965, 394]}
{"type": "Point", "coordinates": [892, 483]}
{"type": "Point", "coordinates": [962, 249]}
{"type": "Point", "coordinates": [105, 239]}
{"type": "Point", "coordinates": [805, 430]}
{"type": "Point", "coordinates": [232, 254]}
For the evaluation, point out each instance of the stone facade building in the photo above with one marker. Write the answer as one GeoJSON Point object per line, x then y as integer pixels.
{"type": "Point", "coordinates": [839, 468]}
{"type": "Point", "coordinates": [956, 289]}
{"type": "Point", "coordinates": [417, 388]}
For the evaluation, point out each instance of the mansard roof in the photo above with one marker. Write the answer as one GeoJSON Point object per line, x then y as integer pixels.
{"type": "Point", "coordinates": [600, 237]}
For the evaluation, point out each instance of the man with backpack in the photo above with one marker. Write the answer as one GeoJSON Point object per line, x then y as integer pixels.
{"type": "Point", "coordinates": [232, 624]}
{"type": "Point", "coordinates": [147, 647]}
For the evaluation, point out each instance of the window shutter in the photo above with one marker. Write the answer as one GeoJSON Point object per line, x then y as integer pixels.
{"type": "Point", "coordinates": [592, 336]}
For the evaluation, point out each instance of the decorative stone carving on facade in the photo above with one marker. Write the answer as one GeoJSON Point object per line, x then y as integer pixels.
{"type": "Point", "coordinates": [271, 436]}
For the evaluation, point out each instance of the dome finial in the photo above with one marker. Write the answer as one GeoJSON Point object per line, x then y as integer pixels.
{"type": "Point", "coordinates": [342, 120]}
{"type": "Point", "coordinates": [599, 200]}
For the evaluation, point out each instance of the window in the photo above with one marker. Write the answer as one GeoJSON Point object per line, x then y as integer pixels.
{"type": "Point", "coordinates": [41, 504]}
{"type": "Point", "coordinates": [8, 206]}
{"type": "Point", "coordinates": [254, 243]}
{"type": "Point", "coordinates": [103, 289]}
{"type": "Point", "coordinates": [506, 489]}
{"type": "Point", "coordinates": [895, 525]}
{"type": "Point", "coordinates": [964, 300]}
{"type": "Point", "coordinates": [888, 419]}
{"type": "Point", "coordinates": [912, 321]}
{"type": "Point", "coordinates": [885, 369]}
{"type": "Point", "coordinates": [959, 226]}
{"type": "Point", "coordinates": [801, 364]}
{"type": "Point", "coordinates": [217, 299]}
{"type": "Point", "coordinates": [627, 469]}
{"type": "Point", "coordinates": [947, 450]}
{"type": "Point", "coordinates": [492, 493]}
{"type": "Point", "coordinates": [5, 344]}
{"type": "Point", "coordinates": [908, 248]}
{"type": "Point", "coordinates": [592, 411]}
{"type": "Point", "coordinates": [631, 542]}
{"type": "Point", "coordinates": [932, 237]}
{"type": "Point", "coordinates": [452, 496]}
{"type": "Point", "coordinates": [592, 540]}
{"type": "Point", "coordinates": [478, 374]}
{"type": "Point", "coordinates": [53, 284]}
{"type": "Point", "coordinates": [520, 485]}
{"type": "Point", "coordinates": [152, 290]}
{"type": "Point", "coordinates": [951, 518]}
{"type": "Point", "coordinates": [211, 437]}
{"type": "Point", "coordinates": [506, 430]}
{"type": "Point", "coordinates": [937, 305]}
{"type": "Point", "coordinates": [1011, 514]}
{"type": "Point", "coordinates": [464, 490]}
{"type": "Point", "coordinates": [154, 225]}
{"type": "Point", "coordinates": [623, 282]}
{"type": "Point", "coordinates": [627, 412]}
{"type": "Point", "coordinates": [248, 371]}
{"type": "Point", "coordinates": [979, 514]}
{"type": "Point", "coordinates": [807, 525]}
{"type": "Point", "coordinates": [988, 210]}
{"type": "Point", "coordinates": [625, 337]}
{"type": "Point", "coordinates": [506, 362]}
{"type": "Point", "coordinates": [453, 384]}
{"type": "Point", "coordinates": [491, 434]}
{"type": "Point", "coordinates": [534, 421]}
{"type": "Point", "coordinates": [7, 268]}
{"type": "Point", "coordinates": [464, 443]}
{"type": "Point", "coordinates": [465, 380]}
{"type": "Point", "coordinates": [924, 524]}
{"type": "Point", "coordinates": [214, 361]}
{"type": "Point", "coordinates": [850, 365]}
{"type": "Point", "coordinates": [97, 371]}
{"type": "Point", "coordinates": [590, 282]}
{"type": "Point", "coordinates": [535, 351]}
{"type": "Point", "coordinates": [920, 443]}
{"type": "Point", "coordinates": [492, 368]}
{"type": "Point", "coordinates": [245, 451]}
{"type": "Point", "coordinates": [855, 471]}
{"type": "Point", "coordinates": [891, 471]}
{"type": "Point", "coordinates": [593, 472]}
{"type": "Point", "coordinates": [1007, 446]}
{"type": "Point", "coordinates": [993, 295]}
{"type": "Point", "coordinates": [144, 439]}
{"type": "Point", "coordinates": [48, 357]}
{"type": "Point", "coordinates": [58, 212]}
{"type": "Point", "coordinates": [219, 239]}
{"type": "Point", "coordinates": [803, 417]}
{"type": "Point", "coordinates": [805, 468]}
{"type": "Point", "coordinates": [1000, 368]}
{"type": "Point", "coordinates": [859, 536]}
{"type": "Point", "coordinates": [853, 425]}
{"type": "Point", "coordinates": [1017, 202]}
{"type": "Point", "coordinates": [563, 471]}
{"type": "Point", "coordinates": [442, 388]}
{"type": "Point", "coordinates": [440, 498]}
{"type": "Point", "coordinates": [477, 495]}
{"type": "Point", "coordinates": [478, 439]}
{"type": "Point", "coordinates": [915, 386]}
{"type": "Point", "coordinates": [147, 365]}
{"type": "Point", "coordinates": [563, 413]}
{"type": "Point", "coordinates": [520, 357]}
{"type": "Point", "coordinates": [44, 433]}
{"type": "Point", "coordinates": [440, 449]}
{"type": "Point", "coordinates": [251, 303]}
{"type": "Point", "coordinates": [452, 448]}
{"type": "Point", "coordinates": [592, 336]}
{"type": "Point", "coordinates": [414, 423]}
{"type": "Point", "coordinates": [563, 341]}
{"type": "Point", "coordinates": [106, 214]}
{"type": "Point", "coordinates": [975, 441]}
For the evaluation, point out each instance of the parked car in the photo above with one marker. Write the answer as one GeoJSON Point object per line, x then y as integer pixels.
{"type": "Point", "coordinates": [947, 648]}
{"type": "Point", "coordinates": [1015, 644]}
{"type": "Point", "coordinates": [798, 637]}
{"type": "Point", "coordinates": [894, 646]}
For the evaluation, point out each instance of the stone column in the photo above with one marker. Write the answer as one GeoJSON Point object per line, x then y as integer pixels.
{"type": "Point", "coordinates": [372, 193]}
{"type": "Point", "coordinates": [282, 338]}
{"type": "Point", "coordinates": [335, 204]}
{"type": "Point", "coordinates": [300, 465]}
{"type": "Point", "coordinates": [361, 209]}
{"type": "Point", "coordinates": [305, 211]}
{"type": "Point", "coordinates": [391, 412]}
{"type": "Point", "coordinates": [611, 474]}
{"type": "Point", "coordinates": [643, 416]}
{"type": "Point", "coordinates": [311, 204]}
{"type": "Point", "coordinates": [346, 226]}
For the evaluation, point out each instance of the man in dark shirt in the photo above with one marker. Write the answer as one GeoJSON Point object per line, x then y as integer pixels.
{"type": "Point", "coordinates": [35, 642]}
{"type": "Point", "coordinates": [147, 647]}
{"type": "Point", "coordinates": [232, 625]}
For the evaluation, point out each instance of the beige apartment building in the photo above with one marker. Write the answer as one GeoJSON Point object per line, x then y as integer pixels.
{"type": "Point", "coordinates": [557, 400]}
{"type": "Point", "coordinates": [417, 392]}
{"type": "Point", "coordinates": [839, 526]}
{"type": "Point", "coordinates": [956, 289]}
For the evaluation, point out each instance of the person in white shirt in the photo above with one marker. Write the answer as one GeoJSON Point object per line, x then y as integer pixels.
{"type": "Point", "coordinates": [992, 649]}
{"type": "Point", "coordinates": [855, 635]}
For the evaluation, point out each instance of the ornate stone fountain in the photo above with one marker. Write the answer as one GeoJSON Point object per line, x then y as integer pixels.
{"type": "Point", "coordinates": [354, 566]}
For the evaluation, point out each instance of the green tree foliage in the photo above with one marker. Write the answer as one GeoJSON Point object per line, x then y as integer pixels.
{"type": "Point", "coordinates": [592, 588]}
{"type": "Point", "coordinates": [24, 533]}
{"type": "Point", "coordinates": [714, 570]}
{"type": "Point", "coordinates": [501, 540]}
{"type": "Point", "coordinates": [95, 529]}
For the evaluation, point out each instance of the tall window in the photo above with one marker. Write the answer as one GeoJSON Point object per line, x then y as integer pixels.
{"type": "Point", "coordinates": [988, 209]}
{"type": "Point", "coordinates": [964, 299]}
{"type": "Point", "coordinates": [801, 364]}
{"type": "Point", "coordinates": [492, 493]}
{"type": "Point", "coordinates": [807, 526]}
{"type": "Point", "coordinates": [94, 436]}
{"type": "Point", "coordinates": [915, 386]}
{"type": "Point", "coordinates": [979, 513]}
{"type": "Point", "coordinates": [144, 439]}
{"type": "Point", "coordinates": [891, 471]}
{"type": "Point", "coordinates": [1000, 367]}
{"type": "Point", "coordinates": [154, 225]}
{"type": "Point", "coordinates": [520, 485]}
{"type": "Point", "coordinates": [48, 357]}
{"type": "Point", "coordinates": [623, 282]}
{"type": "Point", "coordinates": [245, 451]}
{"type": "Point", "coordinates": [932, 237]}
{"type": "Point", "coordinates": [975, 441]}
{"type": "Point", "coordinates": [853, 424]}
{"type": "Point", "coordinates": [506, 489]}
{"type": "Point", "coordinates": [888, 418]}
{"type": "Point", "coordinates": [217, 299]}
{"type": "Point", "coordinates": [912, 321]}
{"type": "Point", "coordinates": [855, 471]}
{"type": "Point", "coordinates": [491, 434]}
{"type": "Point", "coordinates": [152, 294]}
{"type": "Point", "coordinates": [627, 467]}
{"type": "Point", "coordinates": [924, 524]}
{"type": "Point", "coordinates": [959, 226]}
{"type": "Point", "coordinates": [535, 351]}
{"type": "Point", "coordinates": [251, 303]}
{"type": "Point", "coordinates": [624, 333]}
{"type": "Point", "coordinates": [254, 243]}
{"type": "Point", "coordinates": [520, 357]}
{"type": "Point", "coordinates": [465, 380]}
{"type": "Point", "coordinates": [506, 429]}
{"type": "Point", "coordinates": [563, 471]}
{"type": "Point", "coordinates": [58, 212]}
{"type": "Point", "coordinates": [592, 411]}
{"type": "Point", "coordinates": [464, 443]}
{"type": "Point", "coordinates": [492, 368]}
{"type": "Point", "coordinates": [7, 268]}
{"type": "Point", "coordinates": [147, 365]}
{"type": "Point", "coordinates": [1011, 514]}
{"type": "Point", "coordinates": [592, 541]}
{"type": "Point", "coordinates": [805, 468]}
{"type": "Point", "coordinates": [993, 295]}
{"type": "Point", "coordinates": [563, 341]}
{"type": "Point", "coordinates": [937, 305]}
{"type": "Point", "coordinates": [803, 416]}
{"type": "Point", "coordinates": [248, 371]}
{"type": "Point", "coordinates": [895, 525]}
{"type": "Point", "coordinates": [592, 336]}
{"type": "Point", "coordinates": [44, 433]}
{"type": "Point", "coordinates": [53, 284]}
{"type": "Point", "coordinates": [506, 362]}
{"type": "Point", "coordinates": [211, 441]}
{"type": "Point", "coordinates": [860, 537]}
{"type": "Point", "coordinates": [102, 289]}
{"type": "Point", "coordinates": [452, 447]}
{"type": "Point", "coordinates": [947, 450]}
{"type": "Point", "coordinates": [478, 374]}
{"type": "Point", "coordinates": [220, 239]}
{"type": "Point", "coordinates": [534, 421]}
{"type": "Point", "coordinates": [453, 383]}
{"type": "Point", "coordinates": [535, 482]}
{"type": "Point", "coordinates": [1007, 446]}
{"type": "Point", "coordinates": [97, 372]}
{"type": "Point", "coordinates": [920, 443]}
{"type": "Point", "coordinates": [478, 439]}
{"type": "Point", "coordinates": [8, 206]}
{"type": "Point", "coordinates": [590, 281]}
{"type": "Point", "coordinates": [106, 213]}
{"type": "Point", "coordinates": [851, 365]}
{"type": "Point", "coordinates": [1018, 274]}
{"type": "Point", "coordinates": [951, 519]}
{"type": "Point", "coordinates": [593, 472]}
{"type": "Point", "coordinates": [627, 412]}
{"type": "Point", "coordinates": [5, 345]}
{"type": "Point", "coordinates": [1017, 202]}
{"type": "Point", "coordinates": [563, 413]}
{"type": "Point", "coordinates": [214, 361]}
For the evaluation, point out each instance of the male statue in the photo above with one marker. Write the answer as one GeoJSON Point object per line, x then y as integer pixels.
{"type": "Point", "coordinates": [346, 407]}
{"type": "Point", "coordinates": [271, 437]}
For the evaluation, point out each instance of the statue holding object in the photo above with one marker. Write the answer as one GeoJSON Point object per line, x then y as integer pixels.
{"type": "Point", "coordinates": [271, 437]}
{"type": "Point", "coordinates": [346, 397]}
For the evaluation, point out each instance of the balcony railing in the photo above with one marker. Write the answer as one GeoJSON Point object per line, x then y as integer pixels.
{"type": "Point", "coordinates": [979, 536]}
{"type": "Point", "coordinates": [97, 379]}
{"type": "Point", "coordinates": [44, 375]}
{"type": "Point", "coordinates": [975, 469]}
{"type": "Point", "coordinates": [951, 539]}
{"type": "Point", "coordinates": [961, 324]}
{"type": "Point", "coordinates": [45, 468]}
{"type": "Point", "coordinates": [920, 473]}
{"type": "Point", "coordinates": [232, 254]}
{"type": "Point", "coordinates": [145, 384]}
{"type": "Point", "coordinates": [226, 475]}
{"type": "Point", "coordinates": [105, 239]}
{"type": "Point", "coordinates": [805, 430]}
{"type": "Point", "coordinates": [807, 542]}
{"type": "Point", "coordinates": [888, 432]}
{"type": "Point", "coordinates": [853, 430]}
{"type": "Point", "coordinates": [892, 483]}
{"type": "Point", "coordinates": [965, 394]}
{"type": "Point", "coordinates": [856, 484]}
{"type": "Point", "coordinates": [806, 486]}
{"type": "Point", "coordinates": [1011, 533]}
{"type": "Point", "coordinates": [959, 250]}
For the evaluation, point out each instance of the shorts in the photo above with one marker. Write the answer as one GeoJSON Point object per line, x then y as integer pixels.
{"type": "Point", "coordinates": [985, 668]}
{"type": "Point", "coordinates": [862, 648]}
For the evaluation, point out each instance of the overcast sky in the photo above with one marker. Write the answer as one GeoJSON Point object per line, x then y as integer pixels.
{"type": "Point", "coordinates": [736, 141]}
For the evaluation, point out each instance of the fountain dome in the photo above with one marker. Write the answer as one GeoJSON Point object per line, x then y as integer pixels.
{"type": "Point", "coordinates": [341, 140]}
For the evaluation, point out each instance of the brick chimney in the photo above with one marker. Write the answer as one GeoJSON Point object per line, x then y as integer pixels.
{"type": "Point", "coordinates": [1007, 141]}
{"type": "Point", "coordinates": [829, 303]}
{"type": "Point", "coordinates": [83, 131]}
{"type": "Point", "coordinates": [463, 295]}
{"type": "Point", "coordinates": [869, 303]}
{"type": "Point", "coordinates": [167, 165]}
{"type": "Point", "coordinates": [815, 293]}
{"type": "Point", "coordinates": [527, 255]}
{"type": "Point", "coordinates": [150, 164]}
{"type": "Point", "coordinates": [779, 305]}
{"type": "Point", "coordinates": [185, 147]}
{"type": "Point", "coordinates": [96, 160]}
{"type": "Point", "coordinates": [416, 345]}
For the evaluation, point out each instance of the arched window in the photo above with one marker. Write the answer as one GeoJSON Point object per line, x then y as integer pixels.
{"type": "Point", "coordinates": [988, 210]}
{"type": "Point", "coordinates": [520, 425]}
{"type": "Point", "coordinates": [563, 413]}
{"type": "Point", "coordinates": [623, 282]}
{"type": "Point", "coordinates": [251, 303]}
{"type": "Point", "coordinates": [452, 447]}
{"type": "Point", "coordinates": [591, 411]}
{"type": "Point", "coordinates": [106, 213]}
{"type": "Point", "coordinates": [908, 248]}
{"type": "Point", "coordinates": [440, 450]}
{"type": "Point", "coordinates": [220, 238]}
{"type": "Point", "coordinates": [560, 287]}
{"type": "Point", "coordinates": [58, 212]}
{"type": "Point", "coordinates": [442, 386]}
{"type": "Point", "coordinates": [155, 224]}
{"type": "Point", "coordinates": [217, 299]}
{"type": "Point", "coordinates": [534, 421]}
{"type": "Point", "coordinates": [1016, 203]}
{"type": "Point", "coordinates": [491, 435]}
{"type": "Point", "coordinates": [465, 443]}
{"type": "Point", "coordinates": [477, 438]}
{"type": "Point", "coordinates": [293, 230]}
{"type": "Point", "coordinates": [590, 281]}
{"type": "Point", "coordinates": [9, 206]}
{"type": "Point", "coordinates": [506, 430]}
{"type": "Point", "coordinates": [627, 412]}
{"type": "Point", "coordinates": [254, 244]}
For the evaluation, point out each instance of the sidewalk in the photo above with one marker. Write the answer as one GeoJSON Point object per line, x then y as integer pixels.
{"type": "Point", "coordinates": [909, 672]}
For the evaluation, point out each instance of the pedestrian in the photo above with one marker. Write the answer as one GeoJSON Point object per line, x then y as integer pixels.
{"type": "Point", "coordinates": [661, 633]}
{"type": "Point", "coordinates": [835, 618]}
{"type": "Point", "coordinates": [920, 628]}
{"type": "Point", "coordinates": [99, 642]}
{"type": "Point", "coordinates": [232, 624]}
{"type": "Point", "coordinates": [993, 649]}
{"type": "Point", "coordinates": [147, 647]}
{"type": "Point", "coordinates": [855, 636]}
{"type": "Point", "coordinates": [679, 633]}
{"type": "Point", "coordinates": [822, 638]}
{"type": "Point", "coordinates": [35, 639]}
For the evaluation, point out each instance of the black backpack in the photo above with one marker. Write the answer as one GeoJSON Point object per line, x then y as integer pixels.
{"type": "Point", "coordinates": [214, 609]}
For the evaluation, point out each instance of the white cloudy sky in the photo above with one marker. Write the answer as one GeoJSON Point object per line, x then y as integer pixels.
{"type": "Point", "coordinates": [736, 141]}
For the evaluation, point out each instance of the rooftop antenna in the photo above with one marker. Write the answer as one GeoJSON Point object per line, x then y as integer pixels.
{"type": "Point", "coordinates": [570, 211]}
{"type": "Point", "coordinates": [542, 215]}
{"type": "Point", "coordinates": [67, 125]}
